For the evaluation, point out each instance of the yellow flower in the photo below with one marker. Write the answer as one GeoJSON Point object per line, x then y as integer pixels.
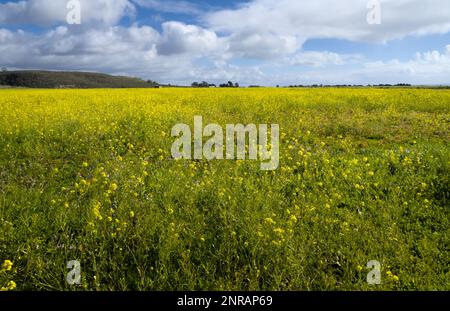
{"type": "Point", "coordinates": [270, 221]}
{"type": "Point", "coordinates": [114, 186]}
{"type": "Point", "coordinates": [278, 231]}
{"type": "Point", "coordinates": [96, 211]}
{"type": "Point", "coordinates": [7, 265]}
{"type": "Point", "coordinates": [10, 286]}
{"type": "Point", "coordinates": [132, 214]}
{"type": "Point", "coordinates": [359, 268]}
{"type": "Point", "coordinates": [85, 164]}
{"type": "Point", "coordinates": [293, 218]}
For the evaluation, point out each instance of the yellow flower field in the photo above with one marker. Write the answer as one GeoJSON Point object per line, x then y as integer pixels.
{"type": "Point", "coordinates": [88, 175]}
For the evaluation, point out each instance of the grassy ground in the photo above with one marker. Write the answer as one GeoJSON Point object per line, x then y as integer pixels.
{"type": "Point", "coordinates": [88, 176]}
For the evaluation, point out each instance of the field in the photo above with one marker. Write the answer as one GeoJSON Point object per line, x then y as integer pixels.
{"type": "Point", "coordinates": [88, 175]}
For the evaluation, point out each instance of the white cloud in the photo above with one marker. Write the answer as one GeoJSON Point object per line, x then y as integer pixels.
{"type": "Point", "coordinates": [261, 45]}
{"type": "Point", "coordinates": [170, 6]}
{"type": "Point", "coordinates": [428, 67]}
{"type": "Point", "coordinates": [179, 38]}
{"type": "Point", "coordinates": [322, 59]}
{"type": "Point", "coordinates": [268, 31]}
{"type": "Point", "coordinates": [49, 12]}
{"type": "Point", "coordinates": [334, 19]}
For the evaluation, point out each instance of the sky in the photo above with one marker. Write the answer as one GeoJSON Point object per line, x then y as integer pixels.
{"type": "Point", "coordinates": [253, 42]}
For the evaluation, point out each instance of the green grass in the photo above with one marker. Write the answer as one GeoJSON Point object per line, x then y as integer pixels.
{"type": "Point", "coordinates": [364, 172]}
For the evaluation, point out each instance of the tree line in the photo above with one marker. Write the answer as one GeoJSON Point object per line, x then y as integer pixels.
{"type": "Point", "coordinates": [205, 84]}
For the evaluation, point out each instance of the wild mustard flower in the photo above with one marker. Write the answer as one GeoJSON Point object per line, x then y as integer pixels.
{"type": "Point", "coordinates": [7, 265]}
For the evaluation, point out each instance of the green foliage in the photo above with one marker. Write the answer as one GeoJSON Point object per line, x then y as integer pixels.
{"type": "Point", "coordinates": [87, 175]}
{"type": "Point", "coordinates": [56, 79]}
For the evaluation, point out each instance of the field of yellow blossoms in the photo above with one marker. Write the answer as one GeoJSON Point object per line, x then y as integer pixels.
{"type": "Point", "coordinates": [88, 175]}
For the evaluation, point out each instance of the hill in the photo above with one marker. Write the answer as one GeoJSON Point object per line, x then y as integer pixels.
{"type": "Point", "coordinates": [60, 79]}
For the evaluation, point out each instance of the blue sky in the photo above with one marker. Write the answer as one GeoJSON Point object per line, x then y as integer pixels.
{"type": "Point", "coordinates": [263, 42]}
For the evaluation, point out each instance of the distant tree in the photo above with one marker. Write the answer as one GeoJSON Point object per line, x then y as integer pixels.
{"type": "Point", "coordinates": [201, 84]}
{"type": "Point", "coordinates": [4, 69]}
{"type": "Point", "coordinates": [230, 84]}
{"type": "Point", "coordinates": [236, 84]}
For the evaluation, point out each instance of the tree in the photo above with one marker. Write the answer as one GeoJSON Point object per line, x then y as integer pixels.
{"type": "Point", "coordinates": [4, 69]}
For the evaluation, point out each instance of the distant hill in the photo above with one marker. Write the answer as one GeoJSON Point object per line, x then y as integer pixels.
{"type": "Point", "coordinates": [60, 79]}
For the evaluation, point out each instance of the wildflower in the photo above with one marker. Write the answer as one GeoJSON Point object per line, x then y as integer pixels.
{"type": "Point", "coordinates": [96, 211]}
{"type": "Point", "coordinates": [7, 265]}
{"type": "Point", "coordinates": [278, 231]}
{"type": "Point", "coordinates": [114, 186]}
{"type": "Point", "coordinates": [85, 164]}
{"type": "Point", "coordinates": [293, 219]}
{"type": "Point", "coordinates": [270, 221]}
{"type": "Point", "coordinates": [359, 268]}
{"type": "Point", "coordinates": [10, 286]}
{"type": "Point", "coordinates": [132, 214]}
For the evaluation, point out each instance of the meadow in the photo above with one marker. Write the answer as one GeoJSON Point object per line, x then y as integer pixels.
{"type": "Point", "coordinates": [88, 175]}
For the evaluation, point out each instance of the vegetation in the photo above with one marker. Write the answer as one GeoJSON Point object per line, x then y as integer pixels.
{"type": "Point", "coordinates": [56, 79]}
{"type": "Point", "coordinates": [87, 175]}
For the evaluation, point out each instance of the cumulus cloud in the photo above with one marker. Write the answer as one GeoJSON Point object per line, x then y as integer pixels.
{"type": "Point", "coordinates": [334, 19]}
{"type": "Point", "coordinates": [179, 38]}
{"type": "Point", "coordinates": [112, 49]}
{"type": "Point", "coordinates": [50, 12]}
{"type": "Point", "coordinates": [270, 33]}
{"type": "Point", "coordinates": [261, 45]}
{"type": "Point", "coordinates": [428, 66]}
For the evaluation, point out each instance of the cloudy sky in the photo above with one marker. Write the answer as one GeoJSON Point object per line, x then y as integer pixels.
{"type": "Point", "coordinates": [264, 42]}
